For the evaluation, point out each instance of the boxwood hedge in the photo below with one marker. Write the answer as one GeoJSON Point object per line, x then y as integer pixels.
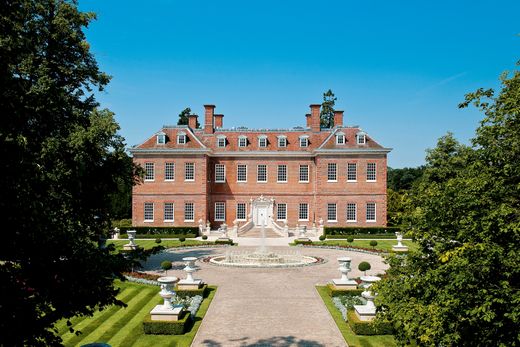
{"type": "Point", "coordinates": [156, 327]}
{"type": "Point", "coordinates": [344, 231]}
{"type": "Point", "coordinates": [360, 327]}
{"type": "Point", "coordinates": [164, 232]}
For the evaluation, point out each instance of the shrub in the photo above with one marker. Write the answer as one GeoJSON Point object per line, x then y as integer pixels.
{"type": "Point", "coordinates": [302, 242]}
{"type": "Point", "coordinates": [158, 240]}
{"type": "Point", "coordinates": [204, 237]}
{"type": "Point", "coordinates": [360, 230]}
{"type": "Point", "coordinates": [164, 232]}
{"type": "Point", "coordinates": [373, 243]}
{"type": "Point", "coordinates": [224, 242]}
{"type": "Point", "coordinates": [182, 239]}
{"type": "Point", "coordinates": [364, 266]}
{"type": "Point", "coordinates": [166, 327]}
{"type": "Point", "coordinates": [337, 292]}
{"type": "Point", "coordinates": [192, 292]}
{"type": "Point", "coordinates": [350, 240]}
{"type": "Point", "coordinates": [166, 265]}
{"type": "Point", "coordinates": [368, 328]}
{"type": "Point", "coordinates": [322, 237]}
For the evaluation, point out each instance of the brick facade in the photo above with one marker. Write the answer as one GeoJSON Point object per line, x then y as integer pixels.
{"type": "Point", "coordinates": [201, 149]}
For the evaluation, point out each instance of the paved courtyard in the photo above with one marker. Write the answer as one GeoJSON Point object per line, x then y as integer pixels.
{"type": "Point", "coordinates": [267, 307]}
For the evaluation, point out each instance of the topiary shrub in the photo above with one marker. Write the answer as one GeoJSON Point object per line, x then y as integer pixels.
{"type": "Point", "coordinates": [322, 237]}
{"type": "Point", "coordinates": [224, 242]}
{"type": "Point", "coordinates": [166, 265]}
{"type": "Point", "coordinates": [182, 239]}
{"type": "Point", "coordinates": [303, 242]}
{"type": "Point", "coordinates": [158, 240]}
{"type": "Point", "coordinates": [204, 237]}
{"type": "Point", "coordinates": [157, 327]}
{"type": "Point", "coordinates": [360, 327]}
{"type": "Point", "coordinates": [350, 239]}
{"type": "Point", "coordinates": [373, 243]}
{"type": "Point", "coordinates": [364, 266]}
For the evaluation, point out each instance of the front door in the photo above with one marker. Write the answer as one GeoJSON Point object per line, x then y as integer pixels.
{"type": "Point", "coordinates": [262, 215]}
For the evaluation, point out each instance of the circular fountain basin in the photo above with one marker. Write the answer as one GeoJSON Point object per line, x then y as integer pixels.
{"type": "Point", "coordinates": [264, 260]}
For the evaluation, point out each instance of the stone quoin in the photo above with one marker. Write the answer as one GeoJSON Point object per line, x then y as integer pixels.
{"type": "Point", "coordinates": [293, 177]}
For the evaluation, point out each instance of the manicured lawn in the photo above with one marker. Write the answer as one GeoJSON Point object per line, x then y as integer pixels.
{"type": "Point", "coordinates": [123, 326]}
{"type": "Point", "coordinates": [352, 339]}
{"type": "Point", "coordinates": [147, 244]}
{"type": "Point", "coordinates": [385, 245]}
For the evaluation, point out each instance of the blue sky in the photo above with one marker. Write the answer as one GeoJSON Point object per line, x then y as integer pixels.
{"type": "Point", "coordinates": [398, 68]}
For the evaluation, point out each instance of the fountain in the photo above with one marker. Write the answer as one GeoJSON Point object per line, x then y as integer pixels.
{"type": "Point", "coordinates": [367, 312]}
{"type": "Point", "coordinates": [263, 257]}
{"type": "Point", "coordinates": [167, 311]}
{"type": "Point", "coordinates": [344, 283]}
{"type": "Point", "coordinates": [399, 247]}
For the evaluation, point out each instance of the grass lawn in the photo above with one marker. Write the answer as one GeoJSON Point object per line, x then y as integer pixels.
{"type": "Point", "coordinates": [123, 326]}
{"type": "Point", "coordinates": [385, 245]}
{"type": "Point", "coordinates": [352, 339]}
{"type": "Point", "coordinates": [147, 244]}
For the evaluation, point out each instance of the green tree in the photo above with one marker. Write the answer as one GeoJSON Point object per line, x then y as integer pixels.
{"type": "Point", "coordinates": [327, 109]}
{"type": "Point", "coordinates": [183, 117]}
{"type": "Point", "coordinates": [62, 160]}
{"type": "Point", "coordinates": [462, 286]}
{"type": "Point", "coordinates": [403, 179]}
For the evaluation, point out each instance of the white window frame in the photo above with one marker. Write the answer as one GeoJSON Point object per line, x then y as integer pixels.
{"type": "Point", "coordinates": [238, 172]}
{"type": "Point", "coordinates": [278, 172]}
{"type": "Point", "coordinates": [338, 137]}
{"type": "Point", "coordinates": [262, 140]}
{"type": "Point", "coordinates": [221, 141]}
{"type": "Point", "coordinates": [282, 141]}
{"type": "Point", "coordinates": [181, 138]}
{"type": "Point", "coordinates": [161, 139]}
{"type": "Point", "coordinates": [220, 173]}
{"type": "Point", "coordinates": [169, 171]}
{"type": "Point", "coordinates": [172, 211]}
{"type": "Point", "coordinates": [220, 215]}
{"type": "Point", "coordinates": [304, 141]}
{"type": "Point", "coordinates": [332, 175]}
{"type": "Point", "coordinates": [369, 172]}
{"type": "Point", "coordinates": [349, 165]}
{"type": "Point", "coordinates": [147, 212]}
{"type": "Point", "coordinates": [331, 206]}
{"type": "Point", "coordinates": [300, 205]}
{"type": "Point", "coordinates": [375, 212]}
{"type": "Point", "coordinates": [361, 138]}
{"type": "Point", "coordinates": [149, 172]}
{"type": "Point", "coordinates": [186, 210]}
{"type": "Point", "coordinates": [242, 138]}
{"type": "Point", "coordinates": [278, 210]}
{"type": "Point", "coordinates": [245, 211]}
{"type": "Point", "coordinates": [300, 173]}
{"type": "Point", "coordinates": [258, 173]}
{"type": "Point", "coordinates": [186, 165]}
{"type": "Point", "coordinates": [349, 205]}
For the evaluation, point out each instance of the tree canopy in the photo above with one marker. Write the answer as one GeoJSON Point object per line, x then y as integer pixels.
{"type": "Point", "coordinates": [327, 109]}
{"type": "Point", "coordinates": [183, 117]}
{"type": "Point", "coordinates": [462, 286]}
{"type": "Point", "coordinates": [62, 160]}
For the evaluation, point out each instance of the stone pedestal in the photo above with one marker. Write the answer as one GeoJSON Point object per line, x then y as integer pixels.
{"type": "Point", "coordinates": [399, 247]}
{"type": "Point", "coordinates": [224, 236]}
{"type": "Point", "coordinates": [344, 283]}
{"type": "Point", "coordinates": [302, 235]}
{"type": "Point", "coordinates": [167, 311]}
{"type": "Point", "coordinates": [189, 283]}
{"type": "Point", "coordinates": [367, 312]}
{"type": "Point", "coordinates": [131, 244]}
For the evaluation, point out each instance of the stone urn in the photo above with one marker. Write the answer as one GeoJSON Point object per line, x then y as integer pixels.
{"type": "Point", "coordinates": [189, 283]}
{"type": "Point", "coordinates": [399, 247]}
{"type": "Point", "coordinates": [131, 237]}
{"type": "Point", "coordinates": [167, 311]}
{"type": "Point", "coordinates": [344, 282]}
{"type": "Point", "coordinates": [367, 312]}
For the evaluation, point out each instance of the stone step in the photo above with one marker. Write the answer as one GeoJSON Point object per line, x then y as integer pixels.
{"type": "Point", "coordinates": [257, 232]}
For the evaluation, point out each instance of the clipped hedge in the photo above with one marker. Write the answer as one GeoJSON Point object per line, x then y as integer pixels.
{"type": "Point", "coordinates": [224, 242]}
{"type": "Point", "coordinates": [344, 231]}
{"type": "Point", "coordinates": [360, 327]}
{"type": "Point", "coordinates": [163, 232]}
{"type": "Point", "coordinates": [203, 291]}
{"type": "Point", "coordinates": [302, 242]}
{"type": "Point", "coordinates": [158, 327]}
{"type": "Point", "coordinates": [336, 292]}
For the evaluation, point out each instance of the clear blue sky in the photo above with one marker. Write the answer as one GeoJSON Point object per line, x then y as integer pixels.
{"type": "Point", "coordinates": [398, 68]}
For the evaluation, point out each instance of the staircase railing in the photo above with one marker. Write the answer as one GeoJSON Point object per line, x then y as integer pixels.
{"type": "Point", "coordinates": [282, 231]}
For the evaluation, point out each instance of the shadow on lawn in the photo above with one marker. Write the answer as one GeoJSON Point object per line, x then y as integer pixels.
{"type": "Point", "coordinates": [175, 256]}
{"type": "Point", "coordinates": [275, 341]}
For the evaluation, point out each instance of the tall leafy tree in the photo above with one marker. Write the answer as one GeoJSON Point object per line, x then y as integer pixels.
{"type": "Point", "coordinates": [183, 117]}
{"type": "Point", "coordinates": [61, 160]}
{"type": "Point", "coordinates": [462, 286]}
{"type": "Point", "coordinates": [327, 109]}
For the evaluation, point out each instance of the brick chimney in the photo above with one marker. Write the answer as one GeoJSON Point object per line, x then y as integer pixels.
{"type": "Point", "coordinates": [308, 119]}
{"type": "Point", "coordinates": [208, 119]}
{"type": "Point", "coordinates": [315, 117]}
{"type": "Point", "coordinates": [219, 121]}
{"type": "Point", "coordinates": [338, 118]}
{"type": "Point", "coordinates": [192, 121]}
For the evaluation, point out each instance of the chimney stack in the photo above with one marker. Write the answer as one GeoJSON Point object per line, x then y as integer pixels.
{"type": "Point", "coordinates": [219, 121]}
{"type": "Point", "coordinates": [338, 118]}
{"type": "Point", "coordinates": [208, 119]}
{"type": "Point", "coordinates": [192, 121]}
{"type": "Point", "coordinates": [308, 119]}
{"type": "Point", "coordinates": [315, 117]}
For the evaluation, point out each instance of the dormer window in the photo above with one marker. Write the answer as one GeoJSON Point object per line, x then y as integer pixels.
{"type": "Point", "coordinates": [361, 138]}
{"type": "Point", "coordinates": [282, 141]}
{"type": "Point", "coordinates": [181, 138]}
{"type": "Point", "coordinates": [242, 141]}
{"type": "Point", "coordinates": [221, 141]}
{"type": "Point", "coordinates": [161, 138]}
{"type": "Point", "coordinates": [304, 141]}
{"type": "Point", "coordinates": [262, 141]}
{"type": "Point", "coordinates": [340, 138]}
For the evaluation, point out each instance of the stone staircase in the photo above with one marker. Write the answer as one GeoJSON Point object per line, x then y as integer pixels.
{"type": "Point", "coordinates": [257, 232]}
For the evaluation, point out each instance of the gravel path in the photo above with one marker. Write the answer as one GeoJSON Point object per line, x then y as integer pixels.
{"type": "Point", "coordinates": [267, 307]}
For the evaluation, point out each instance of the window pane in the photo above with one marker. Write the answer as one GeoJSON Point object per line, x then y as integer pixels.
{"type": "Point", "coordinates": [148, 211]}
{"type": "Point", "coordinates": [281, 212]}
{"type": "Point", "coordinates": [282, 173]}
{"type": "Point", "coordinates": [168, 211]}
{"type": "Point", "coordinates": [351, 172]}
{"type": "Point", "coordinates": [371, 171]}
{"type": "Point", "coordinates": [189, 171]}
{"type": "Point", "coordinates": [262, 173]}
{"type": "Point", "coordinates": [181, 139]}
{"type": "Point", "coordinates": [221, 142]}
{"type": "Point", "coordinates": [332, 172]}
{"type": "Point", "coordinates": [149, 171]}
{"type": "Point", "coordinates": [282, 142]}
{"type": "Point", "coordinates": [304, 142]}
{"type": "Point", "coordinates": [331, 213]}
{"type": "Point", "coordinates": [220, 211]}
{"type": "Point", "coordinates": [371, 211]}
{"type": "Point", "coordinates": [303, 212]}
{"type": "Point", "coordinates": [242, 142]}
{"type": "Point", "coordinates": [189, 212]}
{"type": "Point", "coordinates": [351, 212]}
{"type": "Point", "coordinates": [241, 211]}
{"type": "Point", "coordinates": [220, 173]}
{"type": "Point", "coordinates": [304, 173]}
{"type": "Point", "coordinates": [169, 171]}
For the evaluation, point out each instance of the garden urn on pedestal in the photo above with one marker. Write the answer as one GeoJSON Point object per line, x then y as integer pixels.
{"type": "Point", "coordinates": [399, 247]}
{"type": "Point", "coordinates": [189, 283]}
{"type": "Point", "coordinates": [167, 311]}
{"type": "Point", "coordinates": [131, 244]}
{"type": "Point", "coordinates": [344, 283]}
{"type": "Point", "coordinates": [367, 312]}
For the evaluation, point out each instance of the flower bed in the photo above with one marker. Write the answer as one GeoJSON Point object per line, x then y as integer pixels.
{"type": "Point", "coordinates": [350, 248]}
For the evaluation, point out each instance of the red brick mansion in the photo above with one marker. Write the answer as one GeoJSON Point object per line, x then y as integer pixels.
{"type": "Point", "coordinates": [273, 177]}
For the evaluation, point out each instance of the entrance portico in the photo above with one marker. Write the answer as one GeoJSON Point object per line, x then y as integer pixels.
{"type": "Point", "coordinates": [262, 211]}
